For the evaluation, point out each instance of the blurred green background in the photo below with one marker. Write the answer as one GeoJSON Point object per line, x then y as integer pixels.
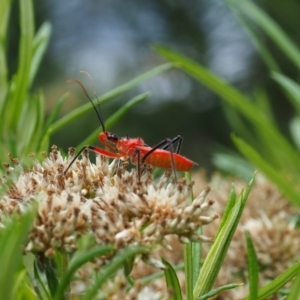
{"type": "Point", "coordinates": [112, 41]}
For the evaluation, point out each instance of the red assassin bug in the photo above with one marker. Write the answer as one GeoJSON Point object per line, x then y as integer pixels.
{"type": "Point", "coordinates": [136, 149]}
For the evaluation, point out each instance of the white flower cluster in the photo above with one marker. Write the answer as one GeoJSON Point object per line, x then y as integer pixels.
{"type": "Point", "coordinates": [103, 200]}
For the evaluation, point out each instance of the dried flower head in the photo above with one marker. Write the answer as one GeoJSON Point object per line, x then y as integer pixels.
{"type": "Point", "coordinates": [103, 200]}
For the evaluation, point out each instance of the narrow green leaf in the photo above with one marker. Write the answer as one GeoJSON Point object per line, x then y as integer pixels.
{"type": "Point", "coordinates": [150, 278]}
{"type": "Point", "coordinates": [41, 289]}
{"type": "Point", "coordinates": [249, 9]}
{"type": "Point", "coordinates": [21, 287]}
{"type": "Point", "coordinates": [219, 290]}
{"type": "Point", "coordinates": [112, 267]}
{"type": "Point", "coordinates": [12, 236]}
{"type": "Point", "coordinates": [108, 97]}
{"type": "Point", "coordinates": [287, 188]}
{"type": "Point", "coordinates": [49, 268]}
{"type": "Point", "coordinates": [4, 16]}
{"type": "Point", "coordinates": [295, 290]}
{"type": "Point", "coordinates": [25, 54]}
{"type": "Point", "coordinates": [295, 130]}
{"type": "Point", "coordinates": [229, 206]}
{"type": "Point", "coordinates": [76, 263]}
{"type": "Point", "coordinates": [40, 44]}
{"type": "Point", "coordinates": [192, 258]}
{"type": "Point", "coordinates": [252, 268]}
{"type": "Point", "coordinates": [188, 269]}
{"type": "Point", "coordinates": [291, 87]}
{"type": "Point", "coordinates": [278, 282]}
{"type": "Point", "coordinates": [31, 124]}
{"type": "Point", "coordinates": [242, 104]}
{"type": "Point", "coordinates": [255, 37]}
{"type": "Point", "coordinates": [54, 112]}
{"type": "Point", "coordinates": [44, 137]}
{"type": "Point", "coordinates": [215, 256]}
{"type": "Point", "coordinates": [172, 281]}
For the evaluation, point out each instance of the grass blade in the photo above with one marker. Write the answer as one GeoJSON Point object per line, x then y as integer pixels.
{"type": "Point", "coordinates": [4, 16]}
{"type": "Point", "coordinates": [295, 290]}
{"type": "Point", "coordinates": [250, 10]}
{"type": "Point", "coordinates": [172, 281]}
{"type": "Point", "coordinates": [12, 237]}
{"type": "Point", "coordinates": [216, 255]}
{"type": "Point", "coordinates": [291, 87]}
{"type": "Point", "coordinates": [278, 282]}
{"type": "Point", "coordinates": [108, 97]}
{"type": "Point", "coordinates": [115, 264]}
{"type": "Point", "coordinates": [243, 105]}
{"type": "Point", "coordinates": [272, 173]}
{"type": "Point", "coordinates": [40, 45]}
{"type": "Point", "coordinates": [25, 55]}
{"type": "Point", "coordinates": [76, 263]}
{"type": "Point", "coordinates": [252, 268]}
{"type": "Point", "coordinates": [218, 290]}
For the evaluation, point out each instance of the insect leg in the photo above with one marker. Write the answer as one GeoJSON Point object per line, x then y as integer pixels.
{"type": "Point", "coordinates": [176, 139]}
{"type": "Point", "coordinates": [172, 159]}
{"type": "Point", "coordinates": [96, 150]}
{"type": "Point", "coordinates": [137, 153]}
{"type": "Point", "coordinates": [165, 144]}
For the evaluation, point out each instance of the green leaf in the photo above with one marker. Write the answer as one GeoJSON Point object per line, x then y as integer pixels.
{"type": "Point", "coordinates": [116, 263]}
{"type": "Point", "coordinates": [76, 263]}
{"type": "Point", "coordinates": [252, 268]}
{"type": "Point", "coordinates": [291, 87]}
{"type": "Point", "coordinates": [44, 137]}
{"type": "Point", "coordinates": [41, 289]}
{"type": "Point", "coordinates": [40, 45]}
{"type": "Point", "coordinates": [76, 113]}
{"type": "Point", "coordinates": [172, 281]}
{"type": "Point", "coordinates": [4, 16]}
{"type": "Point", "coordinates": [250, 10]}
{"type": "Point", "coordinates": [278, 282]}
{"type": "Point", "coordinates": [150, 278]}
{"type": "Point", "coordinates": [22, 290]}
{"type": "Point", "coordinates": [244, 106]}
{"type": "Point", "coordinates": [215, 256]}
{"type": "Point", "coordinates": [192, 257]}
{"type": "Point", "coordinates": [231, 202]}
{"type": "Point", "coordinates": [12, 236]}
{"type": "Point", "coordinates": [20, 84]}
{"type": "Point", "coordinates": [255, 37]}
{"type": "Point", "coordinates": [220, 289]}
{"type": "Point", "coordinates": [30, 124]}
{"type": "Point", "coordinates": [188, 269]}
{"type": "Point", "coordinates": [295, 130]}
{"type": "Point", "coordinates": [295, 290]}
{"type": "Point", "coordinates": [286, 187]}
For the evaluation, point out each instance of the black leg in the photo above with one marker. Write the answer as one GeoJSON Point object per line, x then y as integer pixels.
{"type": "Point", "coordinates": [165, 144]}
{"type": "Point", "coordinates": [75, 157]}
{"type": "Point", "coordinates": [138, 154]}
{"type": "Point", "coordinates": [178, 139]}
{"type": "Point", "coordinates": [172, 159]}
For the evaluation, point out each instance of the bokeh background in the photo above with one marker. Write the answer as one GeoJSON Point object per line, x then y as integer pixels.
{"type": "Point", "coordinates": [112, 41]}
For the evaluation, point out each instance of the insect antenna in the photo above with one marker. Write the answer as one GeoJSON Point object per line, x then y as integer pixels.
{"type": "Point", "coordinates": [98, 111]}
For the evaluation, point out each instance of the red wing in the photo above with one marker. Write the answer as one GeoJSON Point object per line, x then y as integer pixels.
{"type": "Point", "coordinates": [162, 159]}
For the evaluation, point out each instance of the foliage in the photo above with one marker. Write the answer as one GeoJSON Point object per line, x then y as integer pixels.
{"type": "Point", "coordinates": [24, 129]}
{"type": "Point", "coordinates": [261, 141]}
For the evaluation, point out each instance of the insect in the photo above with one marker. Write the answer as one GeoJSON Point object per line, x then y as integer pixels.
{"type": "Point", "coordinates": [161, 155]}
